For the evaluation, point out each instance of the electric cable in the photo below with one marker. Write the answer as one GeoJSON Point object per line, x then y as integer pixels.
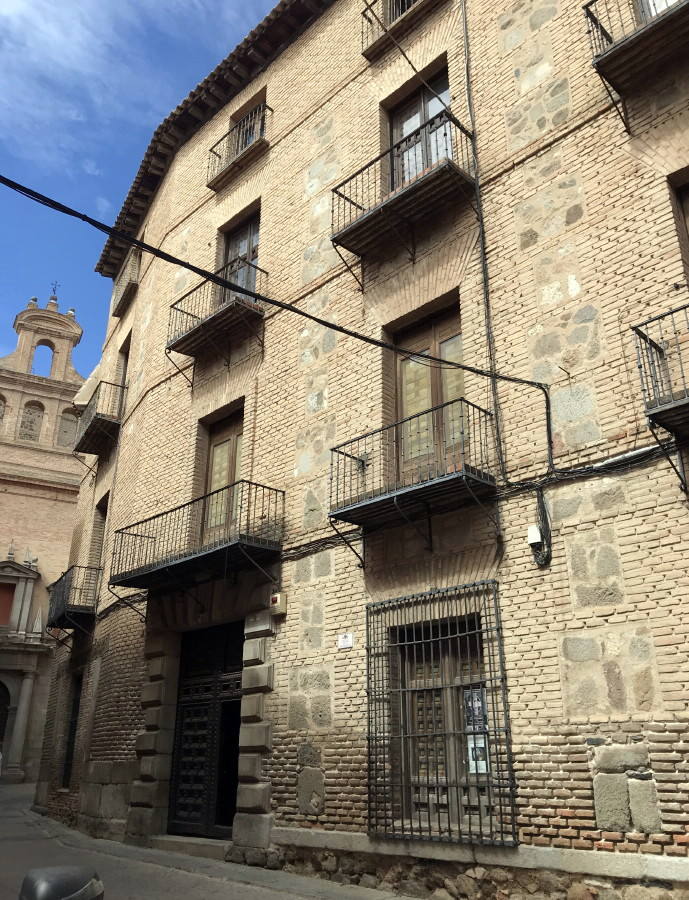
{"type": "Point", "coordinates": [55, 205]}
{"type": "Point", "coordinates": [552, 474]}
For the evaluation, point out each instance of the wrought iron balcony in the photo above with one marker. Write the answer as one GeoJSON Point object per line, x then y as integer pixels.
{"type": "Point", "coordinates": [99, 423]}
{"type": "Point", "coordinates": [73, 598]}
{"type": "Point", "coordinates": [662, 353]}
{"type": "Point", "coordinates": [231, 528]}
{"type": "Point", "coordinates": [126, 283]}
{"type": "Point", "coordinates": [243, 142]}
{"type": "Point", "coordinates": [630, 39]}
{"type": "Point", "coordinates": [404, 184]}
{"type": "Point", "coordinates": [208, 312]}
{"type": "Point", "coordinates": [430, 462]}
{"type": "Point", "coordinates": [383, 20]}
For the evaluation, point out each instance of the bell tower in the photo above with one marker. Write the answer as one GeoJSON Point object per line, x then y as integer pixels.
{"type": "Point", "coordinates": [46, 327]}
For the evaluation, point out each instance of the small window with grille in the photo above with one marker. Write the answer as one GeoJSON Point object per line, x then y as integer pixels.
{"type": "Point", "coordinates": [440, 764]}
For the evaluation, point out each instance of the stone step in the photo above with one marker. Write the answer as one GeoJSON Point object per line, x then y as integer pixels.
{"type": "Point", "coordinates": [191, 846]}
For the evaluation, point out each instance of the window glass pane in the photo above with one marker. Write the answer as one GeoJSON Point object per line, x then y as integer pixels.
{"type": "Point", "coordinates": [220, 460]}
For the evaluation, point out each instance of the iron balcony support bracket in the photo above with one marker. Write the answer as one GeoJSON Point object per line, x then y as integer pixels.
{"type": "Point", "coordinates": [426, 538]}
{"type": "Point", "coordinates": [128, 603]}
{"type": "Point", "coordinates": [493, 519]}
{"type": "Point", "coordinates": [359, 279]}
{"type": "Point", "coordinates": [168, 353]}
{"type": "Point", "coordinates": [618, 103]}
{"type": "Point", "coordinates": [678, 467]}
{"type": "Point", "coordinates": [350, 546]}
{"type": "Point", "coordinates": [63, 642]}
{"type": "Point", "coordinates": [267, 575]}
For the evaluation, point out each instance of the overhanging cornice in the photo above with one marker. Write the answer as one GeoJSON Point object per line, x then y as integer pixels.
{"type": "Point", "coordinates": [249, 58]}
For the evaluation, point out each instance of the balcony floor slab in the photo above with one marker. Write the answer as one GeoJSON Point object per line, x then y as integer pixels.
{"type": "Point", "coordinates": [409, 204]}
{"type": "Point", "coordinates": [100, 434]}
{"type": "Point", "coordinates": [435, 496]}
{"type": "Point", "coordinates": [199, 567]}
{"type": "Point", "coordinates": [217, 326]}
{"type": "Point", "coordinates": [629, 62]}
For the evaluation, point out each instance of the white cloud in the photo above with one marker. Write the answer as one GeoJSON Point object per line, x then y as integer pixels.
{"type": "Point", "coordinates": [75, 71]}
{"type": "Point", "coordinates": [104, 206]}
{"type": "Point", "coordinates": [89, 166]}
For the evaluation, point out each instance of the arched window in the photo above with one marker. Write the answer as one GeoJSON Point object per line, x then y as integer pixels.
{"type": "Point", "coordinates": [32, 419]}
{"type": "Point", "coordinates": [43, 359]}
{"type": "Point", "coordinates": [3, 406]}
{"type": "Point", "coordinates": [67, 429]}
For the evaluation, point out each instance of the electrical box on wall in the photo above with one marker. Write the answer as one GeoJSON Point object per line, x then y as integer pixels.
{"type": "Point", "coordinates": [278, 604]}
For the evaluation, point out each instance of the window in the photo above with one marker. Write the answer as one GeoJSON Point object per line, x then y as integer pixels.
{"type": "Point", "coordinates": [240, 255]}
{"type": "Point", "coordinates": [6, 601]}
{"type": "Point", "coordinates": [420, 132]}
{"type": "Point", "coordinates": [652, 8]}
{"type": "Point", "coordinates": [432, 433]}
{"type": "Point", "coordinates": [67, 429]}
{"type": "Point", "coordinates": [440, 763]}
{"type": "Point", "coordinates": [31, 421]}
{"type": "Point", "coordinates": [393, 9]}
{"type": "Point", "coordinates": [3, 407]}
{"type": "Point", "coordinates": [249, 128]}
{"type": "Point", "coordinates": [72, 724]}
{"type": "Point", "coordinates": [223, 468]}
{"type": "Point", "coordinates": [100, 515]}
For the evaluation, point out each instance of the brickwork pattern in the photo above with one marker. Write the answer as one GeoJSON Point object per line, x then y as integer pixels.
{"type": "Point", "coordinates": [582, 243]}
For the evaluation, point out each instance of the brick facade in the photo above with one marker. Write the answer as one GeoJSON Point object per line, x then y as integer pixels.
{"type": "Point", "coordinates": [582, 241]}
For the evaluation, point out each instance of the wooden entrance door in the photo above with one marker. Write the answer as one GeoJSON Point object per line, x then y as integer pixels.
{"type": "Point", "coordinates": [204, 768]}
{"type": "Point", "coordinates": [429, 441]}
{"type": "Point", "coordinates": [224, 467]}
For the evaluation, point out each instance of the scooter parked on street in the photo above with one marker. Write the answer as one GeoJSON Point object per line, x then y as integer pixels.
{"type": "Point", "coordinates": [62, 883]}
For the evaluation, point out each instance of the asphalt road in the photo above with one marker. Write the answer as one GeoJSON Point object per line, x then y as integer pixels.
{"type": "Point", "coordinates": [130, 873]}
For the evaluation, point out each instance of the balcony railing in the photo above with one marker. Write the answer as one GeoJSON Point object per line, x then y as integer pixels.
{"type": "Point", "coordinates": [246, 139]}
{"type": "Point", "coordinates": [662, 350]}
{"type": "Point", "coordinates": [629, 38]}
{"type": "Point", "coordinates": [73, 597]}
{"type": "Point", "coordinates": [208, 310]}
{"type": "Point", "coordinates": [383, 20]}
{"type": "Point", "coordinates": [201, 540]}
{"type": "Point", "coordinates": [408, 182]}
{"type": "Point", "coordinates": [420, 463]}
{"type": "Point", "coordinates": [99, 423]}
{"type": "Point", "coordinates": [126, 283]}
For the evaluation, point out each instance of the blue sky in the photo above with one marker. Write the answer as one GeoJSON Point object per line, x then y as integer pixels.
{"type": "Point", "coordinates": [84, 84]}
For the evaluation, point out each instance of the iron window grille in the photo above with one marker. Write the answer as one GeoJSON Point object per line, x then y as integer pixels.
{"type": "Point", "coordinates": [662, 353]}
{"type": "Point", "coordinates": [611, 21]}
{"type": "Point", "coordinates": [248, 132]}
{"type": "Point", "coordinates": [202, 303]}
{"type": "Point", "coordinates": [437, 141]}
{"type": "Point", "coordinates": [439, 750]}
{"type": "Point", "coordinates": [74, 595]}
{"type": "Point", "coordinates": [243, 513]}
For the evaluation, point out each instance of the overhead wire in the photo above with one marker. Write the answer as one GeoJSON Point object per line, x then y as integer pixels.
{"type": "Point", "coordinates": [552, 473]}
{"type": "Point", "coordinates": [214, 278]}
